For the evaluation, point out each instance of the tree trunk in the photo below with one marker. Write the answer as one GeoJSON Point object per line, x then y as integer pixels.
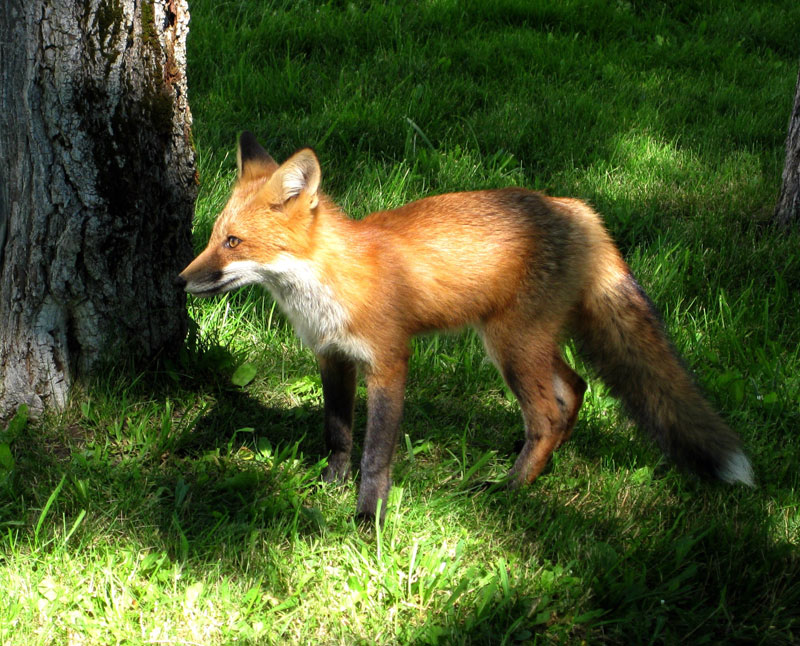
{"type": "Point", "coordinates": [97, 187]}
{"type": "Point", "coordinates": [787, 211]}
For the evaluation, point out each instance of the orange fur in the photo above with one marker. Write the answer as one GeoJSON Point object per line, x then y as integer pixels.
{"type": "Point", "coordinates": [523, 268]}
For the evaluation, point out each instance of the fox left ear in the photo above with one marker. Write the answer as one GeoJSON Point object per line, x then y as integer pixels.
{"type": "Point", "coordinates": [252, 160]}
{"type": "Point", "coordinates": [300, 173]}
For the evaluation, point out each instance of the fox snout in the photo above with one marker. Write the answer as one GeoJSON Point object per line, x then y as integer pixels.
{"type": "Point", "coordinates": [203, 280]}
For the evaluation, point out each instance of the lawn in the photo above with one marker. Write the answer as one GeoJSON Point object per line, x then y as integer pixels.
{"type": "Point", "coordinates": [183, 504]}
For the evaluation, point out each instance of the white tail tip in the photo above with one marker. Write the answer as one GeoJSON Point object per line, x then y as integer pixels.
{"type": "Point", "coordinates": [737, 469]}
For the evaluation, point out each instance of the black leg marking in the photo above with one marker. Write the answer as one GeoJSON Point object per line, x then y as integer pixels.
{"type": "Point", "coordinates": [339, 390]}
{"type": "Point", "coordinates": [385, 410]}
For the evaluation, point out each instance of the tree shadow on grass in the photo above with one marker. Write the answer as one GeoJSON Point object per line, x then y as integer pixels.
{"type": "Point", "coordinates": [187, 460]}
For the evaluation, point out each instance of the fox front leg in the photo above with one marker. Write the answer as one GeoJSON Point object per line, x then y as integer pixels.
{"type": "Point", "coordinates": [338, 391]}
{"type": "Point", "coordinates": [385, 390]}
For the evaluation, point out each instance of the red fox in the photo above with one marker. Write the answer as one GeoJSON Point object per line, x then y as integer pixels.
{"type": "Point", "coordinates": [526, 270]}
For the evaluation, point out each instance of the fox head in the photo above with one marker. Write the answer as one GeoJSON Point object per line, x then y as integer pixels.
{"type": "Point", "coordinates": [266, 220]}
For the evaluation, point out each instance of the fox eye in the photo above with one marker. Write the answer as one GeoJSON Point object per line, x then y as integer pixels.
{"type": "Point", "coordinates": [231, 242]}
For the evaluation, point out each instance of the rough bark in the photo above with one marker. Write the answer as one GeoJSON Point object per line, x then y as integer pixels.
{"type": "Point", "coordinates": [97, 186]}
{"type": "Point", "coordinates": [787, 210]}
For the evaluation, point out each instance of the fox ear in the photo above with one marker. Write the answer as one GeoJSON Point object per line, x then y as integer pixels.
{"type": "Point", "coordinates": [252, 160]}
{"type": "Point", "coordinates": [300, 173]}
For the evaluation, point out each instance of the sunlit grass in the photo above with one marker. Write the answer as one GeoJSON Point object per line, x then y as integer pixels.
{"type": "Point", "coordinates": [176, 506]}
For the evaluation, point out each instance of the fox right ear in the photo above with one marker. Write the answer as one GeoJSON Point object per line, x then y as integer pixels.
{"type": "Point", "coordinates": [252, 160]}
{"type": "Point", "coordinates": [300, 174]}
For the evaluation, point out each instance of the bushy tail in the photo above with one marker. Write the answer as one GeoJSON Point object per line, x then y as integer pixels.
{"type": "Point", "coordinates": [619, 332]}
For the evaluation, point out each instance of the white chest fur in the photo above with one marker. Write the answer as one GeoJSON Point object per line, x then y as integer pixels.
{"type": "Point", "coordinates": [318, 318]}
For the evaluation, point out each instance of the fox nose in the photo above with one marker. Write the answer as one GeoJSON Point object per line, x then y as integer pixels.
{"type": "Point", "coordinates": [179, 281]}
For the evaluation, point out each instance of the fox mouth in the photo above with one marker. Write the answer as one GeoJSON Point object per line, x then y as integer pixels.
{"type": "Point", "coordinates": [204, 293]}
{"type": "Point", "coordinates": [213, 288]}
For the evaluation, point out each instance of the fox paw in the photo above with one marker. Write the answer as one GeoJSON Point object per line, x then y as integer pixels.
{"type": "Point", "coordinates": [338, 469]}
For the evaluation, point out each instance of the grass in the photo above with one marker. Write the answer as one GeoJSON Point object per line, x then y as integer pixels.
{"type": "Point", "coordinates": [177, 507]}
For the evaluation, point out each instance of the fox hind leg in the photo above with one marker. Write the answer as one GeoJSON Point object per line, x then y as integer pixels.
{"type": "Point", "coordinates": [568, 387]}
{"type": "Point", "coordinates": [549, 392]}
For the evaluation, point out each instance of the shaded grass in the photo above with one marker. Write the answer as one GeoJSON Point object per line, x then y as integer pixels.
{"type": "Point", "coordinates": [174, 506]}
